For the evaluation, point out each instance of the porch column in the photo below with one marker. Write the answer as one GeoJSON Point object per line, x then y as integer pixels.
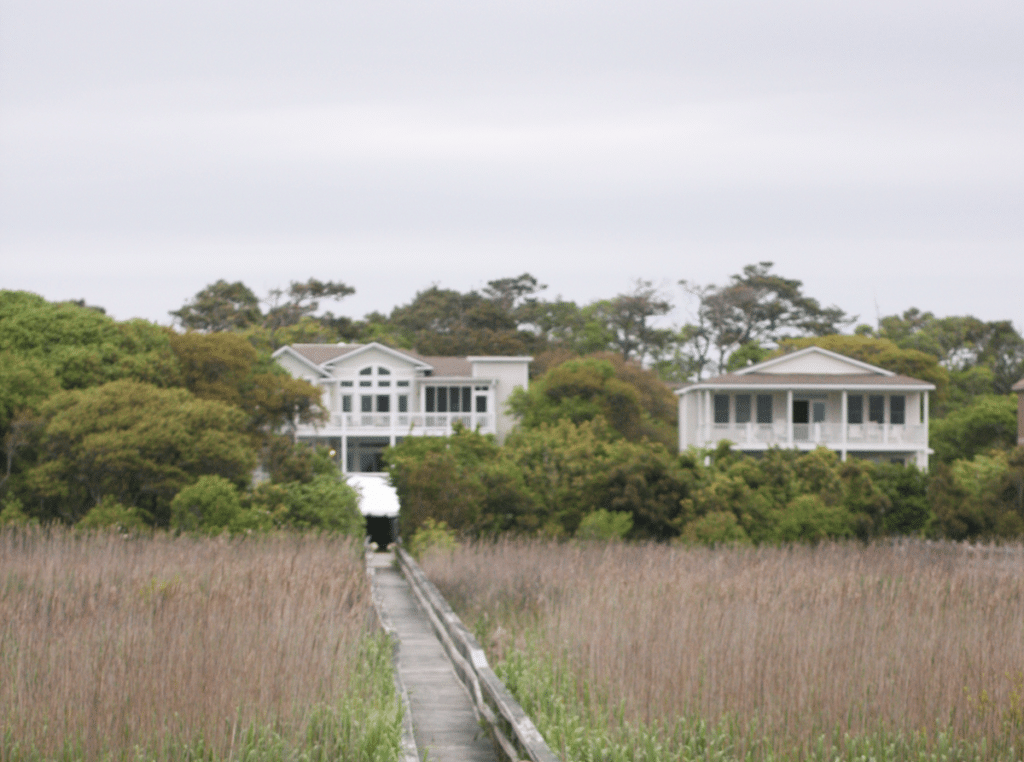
{"type": "Point", "coordinates": [885, 419]}
{"type": "Point", "coordinates": [844, 417]}
{"type": "Point", "coordinates": [789, 418]}
{"type": "Point", "coordinates": [707, 416]}
{"type": "Point", "coordinates": [927, 438]}
{"type": "Point", "coordinates": [682, 421]}
{"type": "Point", "coordinates": [698, 424]}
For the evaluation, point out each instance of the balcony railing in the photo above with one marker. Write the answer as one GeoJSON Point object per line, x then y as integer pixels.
{"type": "Point", "coordinates": [828, 434]}
{"type": "Point", "coordinates": [418, 423]}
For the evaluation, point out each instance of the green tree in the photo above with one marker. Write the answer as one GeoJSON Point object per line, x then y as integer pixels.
{"type": "Point", "coordinates": [24, 383]}
{"type": "Point", "coordinates": [211, 504]}
{"type": "Point", "coordinates": [579, 390]}
{"type": "Point", "coordinates": [445, 479]}
{"type": "Point", "coordinates": [136, 443]}
{"type": "Point", "coordinates": [83, 347]}
{"type": "Point", "coordinates": [215, 365]}
{"type": "Point", "coordinates": [768, 496]}
{"type": "Point", "coordinates": [602, 526]}
{"type": "Point", "coordinates": [565, 327]}
{"type": "Point", "coordinates": [12, 513]}
{"type": "Point", "coordinates": [979, 498]}
{"type": "Point", "coordinates": [634, 400]}
{"type": "Point", "coordinates": [446, 322]}
{"type": "Point", "coordinates": [221, 306]}
{"type": "Point", "coordinates": [561, 465]}
{"type": "Point", "coordinates": [433, 537]}
{"type": "Point", "coordinates": [288, 461]}
{"type": "Point", "coordinates": [300, 301]}
{"type": "Point", "coordinates": [962, 343]}
{"type": "Point", "coordinates": [515, 296]}
{"type": "Point", "coordinates": [757, 305]}
{"type": "Point", "coordinates": [906, 488]}
{"type": "Point", "coordinates": [224, 306]}
{"type": "Point", "coordinates": [716, 528]}
{"type": "Point", "coordinates": [885, 354]}
{"type": "Point", "coordinates": [110, 514]}
{"type": "Point", "coordinates": [988, 422]}
{"type": "Point", "coordinates": [324, 503]}
{"type": "Point", "coordinates": [746, 354]}
{"type": "Point", "coordinates": [226, 368]}
{"type": "Point", "coordinates": [808, 518]}
{"type": "Point", "coordinates": [650, 483]}
{"type": "Point", "coordinates": [626, 320]}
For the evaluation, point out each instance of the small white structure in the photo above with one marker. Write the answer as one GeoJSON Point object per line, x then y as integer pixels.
{"type": "Point", "coordinates": [806, 399]}
{"type": "Point", "coordinates": [376, 495]}
{"type": "Point", "coordinates": [375, 395]}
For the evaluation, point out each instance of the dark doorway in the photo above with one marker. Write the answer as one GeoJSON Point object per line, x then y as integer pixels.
{"type": "Point", "coordinates": [382, 530]}
{"type": "Point", "coordinates": [801, 411]}
{"type": "Point", "coordinates": [364, 454]}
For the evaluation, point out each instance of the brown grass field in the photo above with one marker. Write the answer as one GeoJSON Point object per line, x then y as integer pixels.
{"type": "Point", "coordinates": [109, 645]}
{"type": "Point", "coordinates": [906, 639]}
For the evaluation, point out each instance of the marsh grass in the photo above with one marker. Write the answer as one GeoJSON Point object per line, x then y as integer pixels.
{"type": "Point", "coordinates": [178, 648]}
{"type": "Point", "coordinates": [837, 652]}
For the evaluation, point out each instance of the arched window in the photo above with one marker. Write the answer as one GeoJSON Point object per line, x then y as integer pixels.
{"type": "Point", "coordinates": [375, 396]}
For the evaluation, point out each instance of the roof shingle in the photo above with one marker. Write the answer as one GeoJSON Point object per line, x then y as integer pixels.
{"type": "Point", "coordinates": [319, 354]}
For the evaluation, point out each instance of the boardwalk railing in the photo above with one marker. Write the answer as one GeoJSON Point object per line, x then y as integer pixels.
{"type": "Point", "coordinates": [514, 732]}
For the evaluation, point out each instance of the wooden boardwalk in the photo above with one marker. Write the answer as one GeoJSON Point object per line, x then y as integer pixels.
{"type": "Point", "coordinates": [443, 718]}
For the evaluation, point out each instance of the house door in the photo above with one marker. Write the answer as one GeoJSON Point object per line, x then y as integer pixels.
{"type": "Point", "coordinates": [818, 410]}
{"type": "Point", "coordinates": [808, 411]}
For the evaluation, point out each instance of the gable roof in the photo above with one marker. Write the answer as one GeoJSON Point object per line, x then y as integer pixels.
{"type": "Point", "coordinates": [791, 370]}
{"type": "Point", "coordinates": [302, 357]}
{"type": "Point", "coordinates": [319, 356]}
{"type": "Point", "coordinates": [1019, 386]}
{"type": "Point", "coordinates": [836, 363]}
{"type": "Point", "coordinates": [354, 350]}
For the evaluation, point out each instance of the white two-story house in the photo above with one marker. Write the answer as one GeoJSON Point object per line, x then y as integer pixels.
{"type": "Point", "coordinates": [806, 399]}
{"type": "Point", "coordinates": [375, 395]}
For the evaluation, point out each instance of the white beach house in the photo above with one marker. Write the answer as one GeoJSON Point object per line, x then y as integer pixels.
{"type": "Point", "coordinates": [375, 395]}
{"type": "Point", "coordinates": [810, 398]}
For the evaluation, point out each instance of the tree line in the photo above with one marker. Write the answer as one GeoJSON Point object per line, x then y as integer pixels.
{"type": "Point", "coordinates": [594, 457]}
{"type": "Point", "coordinates": [100, 415]}
{"type": "Point", "coordinates": [753, 313]}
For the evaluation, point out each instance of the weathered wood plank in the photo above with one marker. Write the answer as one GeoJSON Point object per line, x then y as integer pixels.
{"type": "Point", "coordinates": [510, 724]}
{"type": "Point", "coordinates": [443, 715]}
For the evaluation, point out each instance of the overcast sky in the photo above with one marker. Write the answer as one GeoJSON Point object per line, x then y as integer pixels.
{"type": "Point", "coordinates": [872, 148]}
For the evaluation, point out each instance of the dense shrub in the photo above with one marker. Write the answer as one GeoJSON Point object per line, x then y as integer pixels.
{"type": "Point", "coordinates": [209, 505]}
{"type": "Point", "coordinates": [566, 479]}
{"type": "Point", "coordinates": [324, 503]}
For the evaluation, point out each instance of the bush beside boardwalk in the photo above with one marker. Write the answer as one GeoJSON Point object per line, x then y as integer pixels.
{"type": "Point", "coordinates": [549, 479]}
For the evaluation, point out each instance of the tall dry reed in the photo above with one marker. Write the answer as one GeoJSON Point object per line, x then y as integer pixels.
{"type": "Point", "coordinates": [108, 643]}
{"type": "Point", "coordinates": [806, 641]}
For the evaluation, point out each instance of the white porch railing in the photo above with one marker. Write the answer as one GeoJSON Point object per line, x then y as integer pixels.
{"type": "Point", "coordinates": [419, 423]}
{"type": "Point", "coordinates": [827, 434]}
